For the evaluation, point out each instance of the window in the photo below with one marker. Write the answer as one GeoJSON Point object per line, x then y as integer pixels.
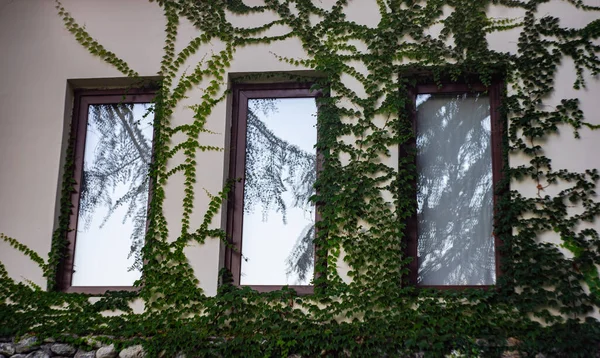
{"type": "Point", "coordinates": [458, 161]}
{"type": "Point", "coordinates": [113, 133]}
{"type": "Point", "coordinates": [271, 219]}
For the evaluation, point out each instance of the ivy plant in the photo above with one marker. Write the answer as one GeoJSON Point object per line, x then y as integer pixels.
{"type": "Point", "coordinates": [540, 302]}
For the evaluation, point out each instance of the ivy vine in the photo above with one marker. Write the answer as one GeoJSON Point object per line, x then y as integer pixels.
{"type": "Point", "coordinates": [543, 296]}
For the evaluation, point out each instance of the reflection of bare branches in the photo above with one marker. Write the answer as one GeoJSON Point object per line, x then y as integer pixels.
{"type": "Point", "coordinates": [455, 194]}
{"type": "Point", "coordinates": [121, 157]}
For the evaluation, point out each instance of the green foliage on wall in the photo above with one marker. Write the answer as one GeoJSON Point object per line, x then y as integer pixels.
{"type": "Point", "coordinates": [539, 299]}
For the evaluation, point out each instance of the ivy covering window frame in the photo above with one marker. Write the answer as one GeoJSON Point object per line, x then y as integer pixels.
{"type": "Point", "coordinates": [241, 93]}
{"type": "Point", "coordinates": [83, 99]}
{"type": "Point", "coordinates": [497, 124]}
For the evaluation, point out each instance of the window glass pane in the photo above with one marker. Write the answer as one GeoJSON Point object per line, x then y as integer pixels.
{"type": "Point", "coordinates": [454, 190]}
{"type": "Point", "coordinates": [279, 219]}
{"type": "Point", "coordinates": [114, 195]}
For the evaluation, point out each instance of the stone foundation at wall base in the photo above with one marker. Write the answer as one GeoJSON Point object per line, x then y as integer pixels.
{"type": "Point", "coordinates": [31, 347]}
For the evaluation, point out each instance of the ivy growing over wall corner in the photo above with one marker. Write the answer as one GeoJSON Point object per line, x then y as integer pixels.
{"type": "Point", "coordinates": [540, 301]}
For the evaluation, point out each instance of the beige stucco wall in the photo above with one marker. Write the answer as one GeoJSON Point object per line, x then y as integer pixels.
{"type": "Point", "coordinates": [38, 57]}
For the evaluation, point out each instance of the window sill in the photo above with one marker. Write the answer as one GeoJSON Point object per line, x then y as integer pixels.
{"type": "Point", "coordinates": [457, 287]}
{"type": "Point", "coordinates": [99, 290]}
{"type": "Point", "coordinates": [300, 290]}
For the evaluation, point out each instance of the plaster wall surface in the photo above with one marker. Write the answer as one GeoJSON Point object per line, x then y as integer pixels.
{"type": "Point", "coordinates": [38, 58]}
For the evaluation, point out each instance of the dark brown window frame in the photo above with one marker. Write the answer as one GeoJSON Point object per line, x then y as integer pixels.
{"type": "Point", "coordinates": [494, 92]}
{"type": "Point", "coordinates": [82, 100]}
{"type": "Point", "coordinates": [241, 94]}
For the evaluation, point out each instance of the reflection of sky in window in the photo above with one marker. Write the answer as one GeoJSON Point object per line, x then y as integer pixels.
{"type": "Point", "coordinates": [267, 240]}
{"type": "Point", "coordinates": [102, 247]}
{"type": "Point", "coordinates": [454, 197]}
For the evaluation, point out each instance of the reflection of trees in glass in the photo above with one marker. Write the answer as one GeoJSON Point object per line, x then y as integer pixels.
{"type": "Point", "coordinates": [121, 158]}
{"type": "Point", "coordinates": [301, 260]}
{"type": "Point", "coordinates": [123, 154]}
{"type": "Point", "coordinates": [273, 167]}
{"type": "Point", "coordinates": [455, 195]}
